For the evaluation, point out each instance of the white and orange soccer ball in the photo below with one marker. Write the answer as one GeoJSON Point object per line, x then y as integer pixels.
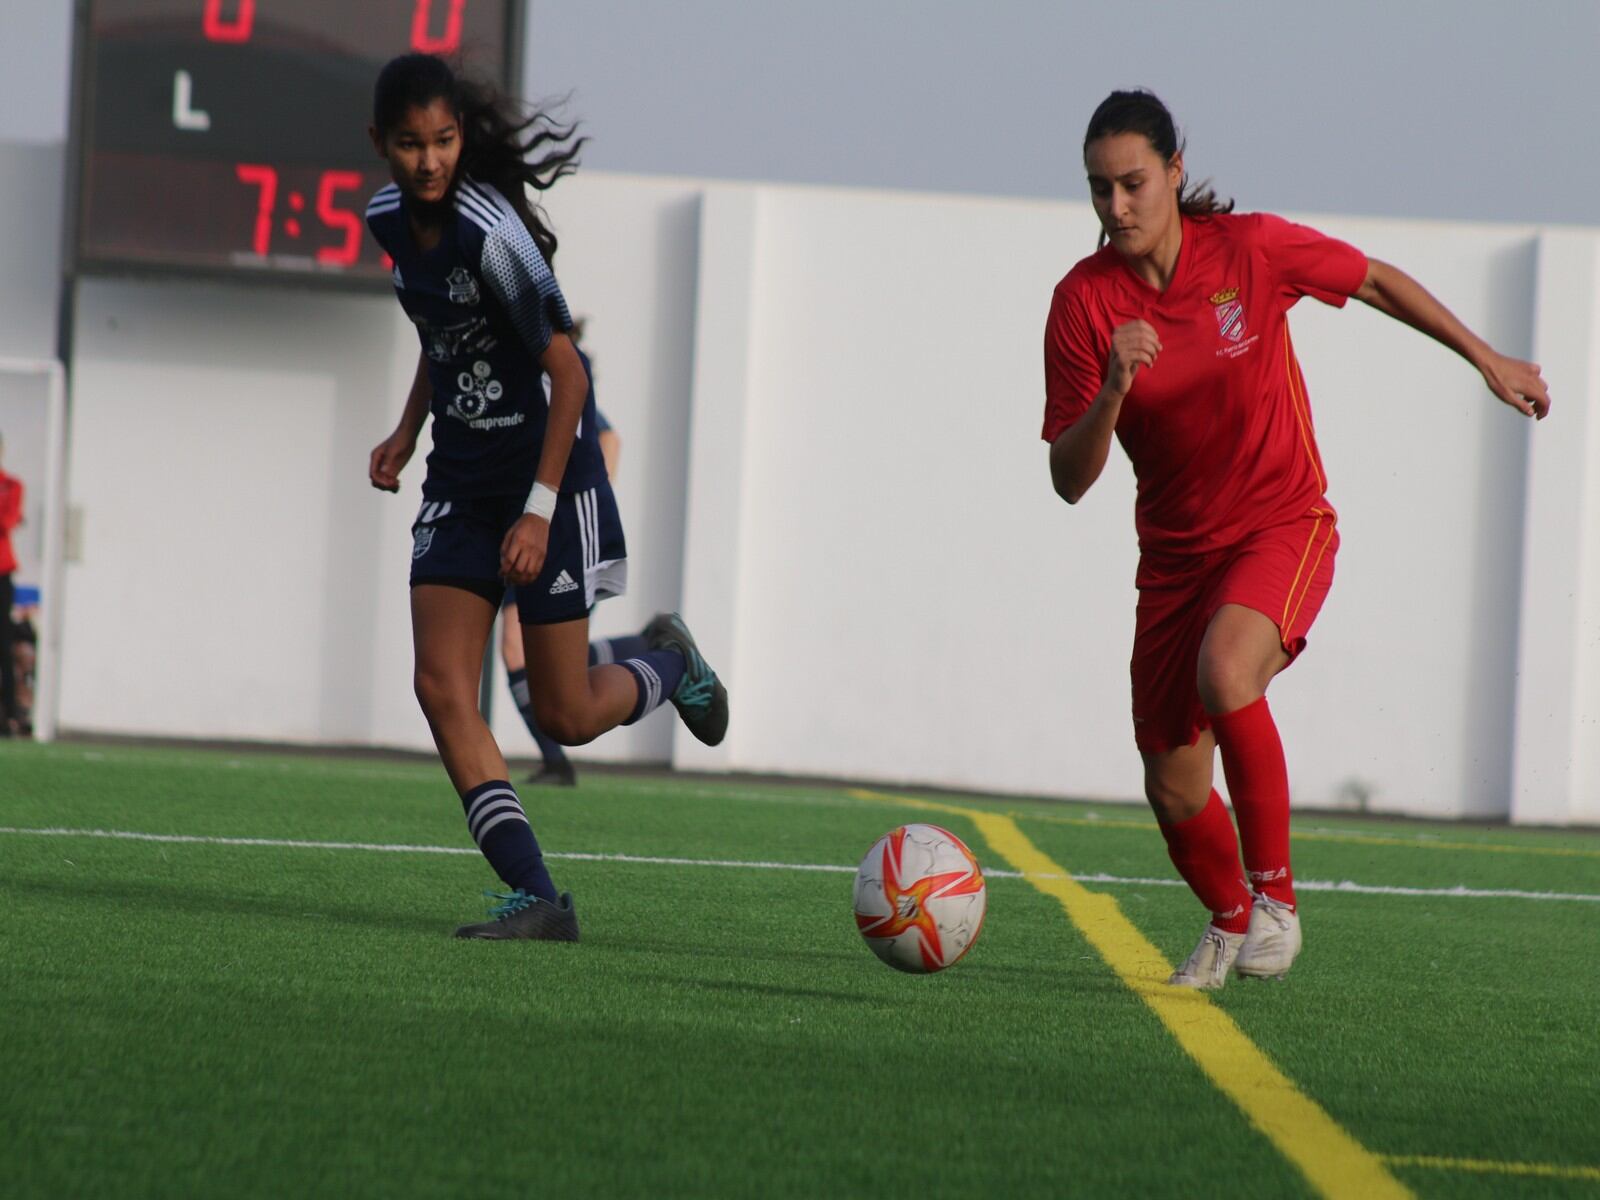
{"type": "Point", "coordinates": [920, 898]}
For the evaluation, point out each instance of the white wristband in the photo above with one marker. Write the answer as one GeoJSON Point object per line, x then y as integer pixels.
{"type": "Point", "coordinates": [541, 501]}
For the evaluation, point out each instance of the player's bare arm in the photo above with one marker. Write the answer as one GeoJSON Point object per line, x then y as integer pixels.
{"type": "Point", "coordinates": [522, 553]}
{"type": "Point", "coordinates": [1394, 293]}
{"type": "Point", "coordinates": [390, 456]}
{"type": "Point", "coordinates": [611, 451]}
{"type": "Point", "coordinates": [1079, 455]}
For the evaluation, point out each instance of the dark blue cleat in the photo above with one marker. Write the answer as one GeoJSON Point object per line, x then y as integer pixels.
{"type": "Point", "coordinates": [528, 918]}
{"type": "Point", "coordinates": [700, 698]}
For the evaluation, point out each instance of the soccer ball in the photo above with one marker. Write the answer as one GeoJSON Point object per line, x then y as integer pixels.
{"type": "Point", "coordinates": [920, 898]}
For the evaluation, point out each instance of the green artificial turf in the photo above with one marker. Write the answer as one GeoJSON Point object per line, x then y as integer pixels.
{"type": "Point", "coordinates": [188, 1019]}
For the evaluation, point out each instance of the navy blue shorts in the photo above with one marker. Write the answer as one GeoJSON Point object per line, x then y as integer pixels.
{"type": "Point", "coordinates": [457, 543]}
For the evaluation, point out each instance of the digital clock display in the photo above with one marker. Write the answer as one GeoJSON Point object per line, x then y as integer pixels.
{"type": "Point", "coordinates": [231, 135]}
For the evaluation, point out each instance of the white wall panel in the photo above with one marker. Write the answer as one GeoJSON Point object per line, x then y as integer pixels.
{"type": "Point", "coordinates": [190, 596]}
{"type": "Point", "coordinates": [1557, 732]}
{"type": "Point", "coordinates": [1407, 689]}
{"type": "Point", "coordinates": [237, 575]}
{"type": "Point", "coordinates": [913, 603]}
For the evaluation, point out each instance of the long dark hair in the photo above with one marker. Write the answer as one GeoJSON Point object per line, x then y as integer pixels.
{"type": "Point", "coordinates": [502, 144]}
{"type": "Point", "coordinates": [1141, 111]}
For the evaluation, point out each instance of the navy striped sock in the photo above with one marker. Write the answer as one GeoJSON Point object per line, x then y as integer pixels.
{"type": "Point", "coordinates": [657, 672]}
{"type": "Point", "coordinates": [501, 829]}
{"type": "Point", "coordinates": [615, 650]}
{"type": "Point", "coordinates": [549, 748]}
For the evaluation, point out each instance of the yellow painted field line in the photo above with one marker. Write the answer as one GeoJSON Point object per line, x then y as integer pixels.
{"type": "Point", "coordinates": [1336, 1165]}
{"type": "Point", "coordinates": [1486, 1167]}
{"type": "Point", "coordinates": [1349, 839]}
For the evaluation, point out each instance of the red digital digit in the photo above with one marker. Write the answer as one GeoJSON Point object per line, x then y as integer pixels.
{"type": "Point", "coordinates": [265, 178]}
{"type": "Point", "coordinates": [333, 182]}
{"type": "Point", "coordinates": [422, 39]}
{"type": "Point", "coordinates": [220, 29]}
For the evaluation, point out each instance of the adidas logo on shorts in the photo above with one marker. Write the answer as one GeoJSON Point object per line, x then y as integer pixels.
{"type": "Point", "coordinates": [563, 584]}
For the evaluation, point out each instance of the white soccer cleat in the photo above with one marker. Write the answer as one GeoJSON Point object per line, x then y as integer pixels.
{"type": "Point", "coordinates": [1207, 967]}
{"type": "Point", "coordinates": [1273, 941]}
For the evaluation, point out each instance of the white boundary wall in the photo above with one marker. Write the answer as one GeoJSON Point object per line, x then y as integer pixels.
{"type": "Point", "coordinates": [899, 597]}
{"type": "Point", "coordinates": [830, 403]}
{"type": "Point", "coordinates": [1556, 776]}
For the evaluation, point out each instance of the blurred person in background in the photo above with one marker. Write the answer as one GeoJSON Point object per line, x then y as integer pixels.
{"type": "Point", "coordinates": [25, 656]}
{"type": "Point", "coordinates": [11, 496]}
{"type": "Point", "coordinates": [555, 768]}
{"type": "Point", "coordinates": [1174, 336]}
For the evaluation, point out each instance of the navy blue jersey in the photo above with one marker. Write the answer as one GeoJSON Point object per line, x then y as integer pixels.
{"type": "Point", "coordinates": [485, 305]}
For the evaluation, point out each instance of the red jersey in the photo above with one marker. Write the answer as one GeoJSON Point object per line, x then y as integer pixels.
{"type": "Point", "coordinates": [1219, 430]}
{"type": "Point", "coordinates": [10, 518]}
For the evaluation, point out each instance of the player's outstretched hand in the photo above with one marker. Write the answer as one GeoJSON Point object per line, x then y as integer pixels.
{"type": "Point", "coordinates": [523, 549]}
{"type": "Point", "coordinates": [1518, 384]}
{"type": "Point", "coordinates": [389, 458]}
{"type": "Point", "coordinates": [1133, 345]}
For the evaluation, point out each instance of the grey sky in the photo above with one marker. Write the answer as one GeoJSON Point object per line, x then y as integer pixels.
{"type": "Point", "coordinates": [1447, 108]}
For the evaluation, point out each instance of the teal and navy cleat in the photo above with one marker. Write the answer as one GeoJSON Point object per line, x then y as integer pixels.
{"type": "Point", "coordinates": [521, 916]}
{"type": "Point", "coordinates": [701, 700]}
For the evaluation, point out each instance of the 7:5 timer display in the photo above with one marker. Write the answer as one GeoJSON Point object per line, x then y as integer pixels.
{"type": "Point", "coordinates": [230, 136]}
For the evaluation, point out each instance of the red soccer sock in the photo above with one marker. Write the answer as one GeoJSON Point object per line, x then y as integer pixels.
{"type": "Point", "coordinates": [1206, 853]}
{"type": "Point", "coordinates": [1258, 782]}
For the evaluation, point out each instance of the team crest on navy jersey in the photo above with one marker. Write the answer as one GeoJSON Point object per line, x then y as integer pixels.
{"type": "Point", "coordinates": [463, 286]}
{"type": "Point", "coordinates": [1230, 314]}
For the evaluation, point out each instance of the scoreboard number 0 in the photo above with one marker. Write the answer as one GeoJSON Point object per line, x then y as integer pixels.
{"type": "Point", "coordinates": [219, 26]}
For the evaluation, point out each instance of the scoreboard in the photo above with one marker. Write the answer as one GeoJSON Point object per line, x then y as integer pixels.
{"type": "Point", "coordinates": [230, 136]}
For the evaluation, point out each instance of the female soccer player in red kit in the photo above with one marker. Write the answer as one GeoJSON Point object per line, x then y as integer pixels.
{"type": "Point", "coordinates": [1174, 336]}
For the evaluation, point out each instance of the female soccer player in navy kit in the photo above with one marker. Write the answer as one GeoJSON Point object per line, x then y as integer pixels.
{"type": "Point", "coordinates": [516, 489]}
{"type": "Point", "coordinates": [1175, 337]}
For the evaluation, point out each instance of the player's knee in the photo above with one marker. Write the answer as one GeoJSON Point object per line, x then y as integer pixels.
{"type": "Point", "coordinates": [1225, 681]}
{"type": "Point", "coordinates": [440, 697]}
{"type": "Point", "coordinates": [1171, 801]}
{"type": "Point", "coordinates": [562, 723]}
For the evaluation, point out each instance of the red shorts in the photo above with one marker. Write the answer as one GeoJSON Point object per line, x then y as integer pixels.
{"type": "Point", "coordinates": [1283, 572]}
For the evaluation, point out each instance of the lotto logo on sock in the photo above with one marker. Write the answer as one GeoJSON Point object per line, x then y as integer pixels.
{"type": "Point", "coordinates": [563, 584]}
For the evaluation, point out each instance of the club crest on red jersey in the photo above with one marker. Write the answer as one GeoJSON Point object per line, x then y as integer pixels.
{"type": "Point", "coordinates": [1230, 314]}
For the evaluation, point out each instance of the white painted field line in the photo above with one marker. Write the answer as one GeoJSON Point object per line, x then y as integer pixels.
{"type": "Point", "coordinates": [1308, 885]}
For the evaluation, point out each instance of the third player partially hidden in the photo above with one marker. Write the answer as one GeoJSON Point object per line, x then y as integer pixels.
{"type": "Point", "coordinates": [1175, 337]}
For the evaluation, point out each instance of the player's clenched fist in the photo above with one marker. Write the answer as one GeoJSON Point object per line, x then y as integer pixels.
{"type": "Point", "coordinates": [523, 549]}
{"type": "Point", "coordinates": [1133, 345]}
{"type": "Point", "coordinates": [388, 459]}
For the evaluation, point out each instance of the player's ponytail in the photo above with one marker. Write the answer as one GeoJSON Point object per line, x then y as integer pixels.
{"type": "Point", "coordinates": [1141, 111]}
{"type": "Point", "coordinates": [503, 145]}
